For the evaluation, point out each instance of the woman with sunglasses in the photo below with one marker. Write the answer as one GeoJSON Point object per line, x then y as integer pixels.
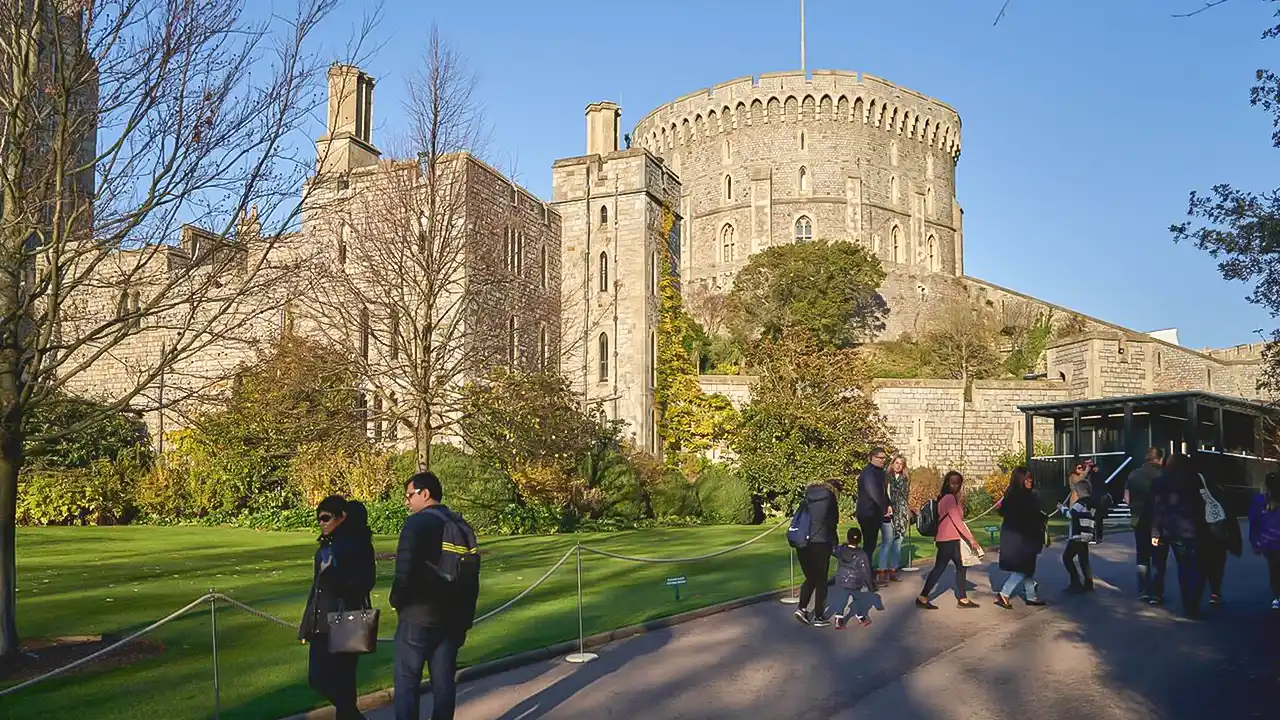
{"type": "Point", "coordinates": [344, 574]}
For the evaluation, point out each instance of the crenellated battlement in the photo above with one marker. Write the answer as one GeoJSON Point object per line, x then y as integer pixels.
{"type": "Point", "coordinates": [828, 95]}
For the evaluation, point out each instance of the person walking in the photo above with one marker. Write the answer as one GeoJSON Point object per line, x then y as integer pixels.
{"type": "Point", "coordinates": [873, 500]}
{"type": "Point", "coordinates": [815, 557]}
{"type": "Point", "coordinates": [435, 612]}
{"type": "Point", "coordinates": [1264, 531]}
{"type": "Point", "coordinates": [1178, 525]}
{"type": "Point", "coordinates": [853, 576]}
{"type": "Point", "coordinates": [1137, 495]}
{"type": "Point", "coordinates": [1222, 537]}
{"type": "Point", "coordinates": [952, 531]}
{"type": "Point", "coordinates": [1102, 500]}
{"type": "Point", "coordinates": [343, 575]}
{"type": "Point", "coordinates": [1022, 537]}
{"type": "Point", "coordinates": [894, 528]}
{"type": "Point", "coordinates": [1079, 509]}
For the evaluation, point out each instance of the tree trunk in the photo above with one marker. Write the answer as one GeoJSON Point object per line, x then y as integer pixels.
{"type": "Point", "coordinates": [423, 434]}
{"type": "Point", "coordinates": [10, 465]}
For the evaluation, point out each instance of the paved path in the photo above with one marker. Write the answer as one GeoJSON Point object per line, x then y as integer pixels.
{"type": "Point", "coordinates": [1105, 657]}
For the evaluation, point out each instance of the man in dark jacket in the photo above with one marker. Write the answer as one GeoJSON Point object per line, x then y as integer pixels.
{"type": "Point", "coordinates": [873, 500]}
{"type": "Point", "coordinates": [814, 558]}
{"type": "Point", "coordinates": [1137, 495]}
{"type": "Point", "coordinates": [431, 627]}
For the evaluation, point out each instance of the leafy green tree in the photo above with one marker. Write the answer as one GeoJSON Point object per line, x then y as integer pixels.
{"type": "Point", "coordinates": [827, 290]}
{"type": "Point", "coordinates": [811, 418]}
{"type": "Point", "coordinates": [95, 432]}
{"type": "Point", "coordinates": [963, 341]}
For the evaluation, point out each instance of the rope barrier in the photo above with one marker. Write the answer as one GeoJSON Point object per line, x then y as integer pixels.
{"type": "Point", "coordinates": [527, 590]}
{"type": "Point", "coordinates": [695, 558]}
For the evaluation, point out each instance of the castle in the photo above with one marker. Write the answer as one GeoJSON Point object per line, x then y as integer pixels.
{"type": "Point", "coordinates": [710, 179]}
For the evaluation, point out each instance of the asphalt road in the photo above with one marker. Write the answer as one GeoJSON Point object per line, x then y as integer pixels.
{"type": "Point", "coordinates": [1103, 656]}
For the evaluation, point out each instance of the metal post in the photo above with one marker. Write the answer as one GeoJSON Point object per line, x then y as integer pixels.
{"type": "Point", "coordinates": [793, 598]}
{"type": "Point", "coordinates": [582, 656]}
{"type": "Point", "coordinates": [213, 628]}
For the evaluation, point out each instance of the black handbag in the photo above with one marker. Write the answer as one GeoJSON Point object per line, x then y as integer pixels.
{"type": "Point", "coordinates": [353, 631]}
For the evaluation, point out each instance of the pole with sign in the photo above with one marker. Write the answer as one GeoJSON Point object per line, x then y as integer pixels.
{"type": "Point", "coordinates": [676, 582]}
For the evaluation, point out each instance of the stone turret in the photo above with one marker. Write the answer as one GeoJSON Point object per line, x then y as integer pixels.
{"type": "Point", "coordinates": [347, 141]}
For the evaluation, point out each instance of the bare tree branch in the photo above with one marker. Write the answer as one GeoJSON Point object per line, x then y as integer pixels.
{"type": "Point", "coordinates": [1000, 15]}
{"type": "Point", "coordinates": [1207, 6]}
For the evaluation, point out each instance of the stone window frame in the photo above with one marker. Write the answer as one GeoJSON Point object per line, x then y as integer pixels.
{"type": "Point", "coordinates": [895, 244]}
{"type": "Point", "coordinates": [604, 214]}
{"type": "Point", "coordinates": [542, 346]}
{"type": "Point", "coordinates": [728, 187]}
{"type": "Point", "coordinates": [543, 272]}
{"type": "Point", "coordinates": [893, 153]}
{"type": "Point", "coordinates": [931, 248]}
{"type": "Point", "coordinates": [513, 340]}
{"type": "Point", "coordinates": [802, 140]}
{"type": "Point", "coordinates": [803, 182]}
{"type": "Point", "coordinates": [728, 243]}
{"type": "Point", "coordinates": [796, 234]}
{"type": "Point", "coordinates": [602, 361]}
{"type": "Point", "coordinates": [726, 151]}
{"type": "Point", "coordinates": [602, 267]}
{"type": "Point", "coordinates": [894, 190]}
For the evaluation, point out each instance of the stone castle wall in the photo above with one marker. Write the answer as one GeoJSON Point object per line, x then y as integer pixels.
{"type": "Point", "coordinates": [841, 155]}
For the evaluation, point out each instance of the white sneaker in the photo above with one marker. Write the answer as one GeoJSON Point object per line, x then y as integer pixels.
{"type": "Point", "coordinates": [1275, 604]}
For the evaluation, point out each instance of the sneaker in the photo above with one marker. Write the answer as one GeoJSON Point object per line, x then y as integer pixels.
{"type": "Point", "coordinates": [821, 622]}
{"type": "Point", "coordinates": [802, 616]}
{"type": "Point", "coordinates": [864, 621]}
{"type": "Point", "coordinates": [1215, 599]}
{"type": "Point", "coordinates": [838, 622]}
{"type": "Point", "coordinates": [1275, 604]}
{"type": "Point", "coordinates": [1036, 603]}
{"type": "Point", "coordinates": [1144, 598]}
{"type": "Point", "coordinates": [1154, 601]}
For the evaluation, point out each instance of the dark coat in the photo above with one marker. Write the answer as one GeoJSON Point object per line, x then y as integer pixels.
{"type": "Point", "coordinates": [1022, 532]}
{"type": "Point", "coordinates": [853, 569]}
{"type": "Point", "coordinates": [1177, 508]}
{"type": "Point", "coordinates": [873, 498]}
{"type": "Point", "coordinates": [418, 593]}
{"type": "Point", "coordinates": [824, 513]}
{"type": "Point", "coordinates": [350, 576]}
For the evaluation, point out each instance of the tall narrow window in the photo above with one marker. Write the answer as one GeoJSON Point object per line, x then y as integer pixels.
{"type": "Point", "coordinates": [542, 346]}
{"type": "Point", "coordinates": [802, 140]}
{"type": "Point", "coordinates": [893, 153]}
{"type": "Point", "coordinates": [542, 267]}
{"type": "Point", "coordinates": [377, 418]}
{"type": "Point", "coordinates": [728, 150]}
{"type": "Point", "coordinates": [122, 304]}
{"type": "Point", "coordinates": [727, 244]}
{"type": "Point", "coordinates": [928, 202]}
{"type": "Point", "coordinates": [653, 360]}
{"type": "Point", "coordinates": [728, 187]}
{"type": "Point", "coordinates": [392, 423]}
{"type": "Point", "coordinates": [897, 244]}
{"type": "Point", "coordinates": [364, 334]}
{"type": "Point", "coordinates": [653, 274]}
{"type": "Point", "coordinates": [604, 214]}
{"type": "Point", "coordinates": [933, 254]}
{"type": "Point", "coordinates": [344, 235]}
{"type": "Point", "coordinates": [393, 333]}
{"type": "Point", "coordinates": [512, 344]}
{"type": "Point", "coordinates": [804, 179]}
{"type": "Point", "coordinates": [508, 249]}
{"type": "Point", "coordinates": [804, 229]}
{"type": "Point", "coordinates": [603, 350]}
{"type": "Point", "coordinates": [519, 259]}
{"type": "Point", "coordinates": [604, 271]}
{"type": "Point", "coordinates": [893, 189]}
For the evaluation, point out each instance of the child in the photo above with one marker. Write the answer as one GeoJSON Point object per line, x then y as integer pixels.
{"type": "Point", "coordinates": [853, 574]}
{"type": "Point", "coordinates": [1080, 510]}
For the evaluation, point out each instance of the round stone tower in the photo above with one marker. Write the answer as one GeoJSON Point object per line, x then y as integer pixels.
{"type": "Point", "coordinates": [785, 158]}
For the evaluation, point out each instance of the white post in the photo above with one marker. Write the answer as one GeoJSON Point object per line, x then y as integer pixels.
{"type": "Point", "coordinates": [582, 656]}
{"type": "Point", "coordinates": [213, 628]}
{"type": "Point", "coordinates": [793, 598]}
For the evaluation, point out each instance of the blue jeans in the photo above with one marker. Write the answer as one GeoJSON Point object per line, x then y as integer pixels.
{"type": "Point", "coordinates": [840, 597]}
{"type": "Point", "coordinates": [1190, 575]}
{"type": "Point", "coordinates": [1016, 579]}
{"type": "Point", "coordinates": [437, 648]}
{"type": "Point", "coordinates": [890, 548]}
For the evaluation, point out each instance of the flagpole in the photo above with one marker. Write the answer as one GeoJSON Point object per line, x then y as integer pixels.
{"type": "Point", "coordinates": [802, 68]}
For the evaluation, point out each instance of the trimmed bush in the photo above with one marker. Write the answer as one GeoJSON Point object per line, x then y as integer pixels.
{"type": "Point", "coordinates": [723, 497]}
{"type": "Point", "coordinates": [620, 491]}
{"type": "Point", "coordinates": [102, 493]}
{"type": "Point", "coordinates": [114, 434]}
{"type": "Point", "coordinates": [673, 496]}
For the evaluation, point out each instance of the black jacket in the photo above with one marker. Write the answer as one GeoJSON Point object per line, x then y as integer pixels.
{"type": "Point", "coordinates": [824, 513]}
{"type": "Point", "coordinates": [418, 593]}
{"type": "Point", "coordinates": [853, 569]}
{"type": "Point", "coordinates": [1022, 532]}
{"type": "Point", "coordinates": [873, 500]}
{"type": "Point", "coordinates": [348, 579]}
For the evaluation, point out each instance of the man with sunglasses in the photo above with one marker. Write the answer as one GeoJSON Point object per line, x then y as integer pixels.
{"type": "Point", "coordinates": [431, 627]}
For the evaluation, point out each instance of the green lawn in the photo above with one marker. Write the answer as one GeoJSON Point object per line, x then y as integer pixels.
{"type": "Point", "coordinates": [80, 581]}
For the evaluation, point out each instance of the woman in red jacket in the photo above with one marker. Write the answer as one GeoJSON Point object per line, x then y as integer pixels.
{"type": "Point", "coordinates": [951, 532]}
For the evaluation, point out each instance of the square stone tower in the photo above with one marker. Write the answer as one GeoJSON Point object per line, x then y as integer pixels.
{"type": "Point", "coordinates": [620, 220]}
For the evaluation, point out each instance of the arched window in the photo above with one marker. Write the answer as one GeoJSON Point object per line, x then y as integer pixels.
{"type": "Point", "coordinates": [933, 254]}
{"type": "Point", "coordinates": [893, 153]}
{"type": "Point", "coordinates": [728, 150]}
{"type": "Point", "coordinates": [542, 346]}
{"type": "Point", "coordinates": [804, 229]}
{"type": "Point", "coordinates": [727, 244]}
{"type": "Point", "coordinates": [604, 271]}
{"type": "Point", "coordinates": [802, 140]}
{"type": "Point", "coordinates": [897, 244]}
{"type": "Point", "coordinates": [893, 189]}
{"type": "Point", "coordinates": [728, 187]}
{"type": "Point", "coordinates": [518, 261]}
{"type": "Point", "coordinates": [603, 350]}
{"type": "Point", "coordinates": [364, 334]}
{"type": "Point", "coordinates": [512, 345]}
{"type": "Point", "coordinates": [928, 202]}
{"type": "Point", "coordinates": [804, 179]}
{"type": "Point", "coordinates": [604, 214]}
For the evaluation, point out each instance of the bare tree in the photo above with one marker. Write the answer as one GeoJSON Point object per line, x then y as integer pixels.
{"type": "Point", "coordinates": [122, 122]}
{"type": "Point", "coordinates": [708, 307]}
{"type": "Point", "coordinates": [964, 339]}
{"type": "Point", "coordinates": [442, 270]}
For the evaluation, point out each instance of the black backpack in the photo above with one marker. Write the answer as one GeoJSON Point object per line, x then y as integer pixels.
{"type": "Point", "coordinates": [927, 519]}
{"type": "Point", "coordinates": [459, 564]}
{"type": "Point", "coordinates": [798, 533]}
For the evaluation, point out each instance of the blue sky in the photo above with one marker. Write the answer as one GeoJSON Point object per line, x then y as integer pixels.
{"type": "Point", "coordinates": [1085, 122]}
